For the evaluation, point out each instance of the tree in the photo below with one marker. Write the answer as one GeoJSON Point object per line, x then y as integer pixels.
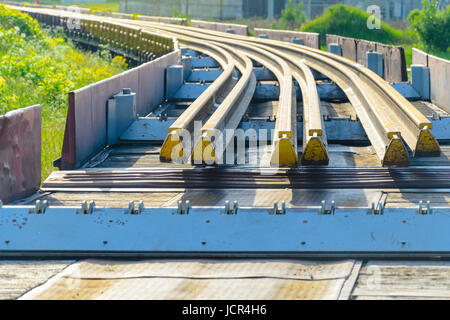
{"type": "Point", "coordinates": [432, 25]}
{"type": "Point", "coordinates": [292, 18]}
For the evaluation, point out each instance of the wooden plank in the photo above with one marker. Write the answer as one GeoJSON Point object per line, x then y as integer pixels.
{"type": "Point", "coordinates": [198, 279]}
{"type": "Point", "coordinates": [407, 279]}
{"type": "Point", "coordinates": [411, 199]}
{"type": "Point", "coordinates": [349, 283]}
{"type": "Point", "coordinates": [18, 277]}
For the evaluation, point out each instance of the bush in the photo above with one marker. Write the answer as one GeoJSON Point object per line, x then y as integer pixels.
{"type": "Point", "coordinates": [351, 22]}
{"type": "Point", "coordinates": [38, 67]}
{"type": "Point", "coordinates": [10, 19]}
{"type": "Point", "coordinates": [432, 25]}
{"type": "Point", "coordinates": [292, 18]}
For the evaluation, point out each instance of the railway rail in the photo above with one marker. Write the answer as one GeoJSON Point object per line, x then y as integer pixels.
{"type": "Point", "coordinates": [388, 118]}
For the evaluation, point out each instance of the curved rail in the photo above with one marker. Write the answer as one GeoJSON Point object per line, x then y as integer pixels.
{"type": "Point", "coordinates": [387, 117]}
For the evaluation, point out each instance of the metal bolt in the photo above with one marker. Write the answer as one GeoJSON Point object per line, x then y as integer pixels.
{"type": "Point", "coordinates": [87, 209]}
{"type": "Point", "coordinates": [282, 210]}
{"type": "Point", "coordinates": [322, 207]}
{"type": "Point", "coordinates": [91, 207]}
{"type": "Point", "coordinates": [141, 206]}
{"type": "Point", "coordinates": [227, 207]}
{"type": "Point", "coordinates": [323, 210]}
{"type": "Point", "coordinates": [44, 206]}
{"type": "Point", "coordinates": [427, 210]}
{"type": "Point", "coordinates": [84, 207]}
{"type": "Point", "coordinates": [235, 207]}
{"type": "Point", "coordinates": [130, 209]}
{"type": "Point", "coordinates": [39, 207]}
{"type": "Point", "coordinates": [283, 207]}
{"type": "Point", "coordinates": [378, 210]}
{"type": "Point", "coordinates": [187, 206]}
{"type": "Point", "coordinates": [185, 210]}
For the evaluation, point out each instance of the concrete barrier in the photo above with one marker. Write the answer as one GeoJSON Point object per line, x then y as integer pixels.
{"type": "Point", "coordinates": [237, 28]}
{"type": "Point", "coordinates": [85, 132]}
{"type": "Point", "coordinates": [222, 27]}
{"type": "Point", "coordinates": [394, 60]}
{"type": "Point", "coordinates": [167, 20]}
{"type": "Point", "coordinates": [439, 77]}
{"type": "Point", "coordinates": [309, 39]}
{"type": "Point", "coordinates": [20, 153]}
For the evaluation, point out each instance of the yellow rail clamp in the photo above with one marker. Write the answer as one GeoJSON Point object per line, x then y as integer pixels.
{"type": "Point", "coordinates": [314, 153]}
{"type": "Point", "coordinates": [204, 152]}
{"type": "Point", "coordinates": [284, 154]}
{"type": "Point", "coordinates": [427, 145]}
{"type": "Point", "coordinates": [396, 154]}
{"type": "Point", "coordinates": [172, 149]}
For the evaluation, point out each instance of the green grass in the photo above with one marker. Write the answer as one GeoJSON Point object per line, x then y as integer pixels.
{"type": "Point", "coordinates": [39, 67]}
{"type": "Point", "coordinates": [109, 5]}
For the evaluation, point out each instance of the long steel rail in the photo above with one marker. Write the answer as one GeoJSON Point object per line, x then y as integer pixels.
{"type": "Point", "coordinates": [386, 116]}
{"type": "Point", "coordinates": [284, 151]}
{"type": "Point", "coordinates": [384, 113]}
{"type": "Point", "coordinates": [221, 178]}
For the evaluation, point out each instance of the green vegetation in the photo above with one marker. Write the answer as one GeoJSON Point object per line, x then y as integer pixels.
{"type": "Point", "coordinates": [427, 29]}
{"type": "Point", "coordinates": [351, 22]}
{"type": "Point", "coordinates": [39, 67]}
{"type": "Point", "coordinates": [432, 26]}
{"type": "Point", "coordinates": [109, 5]}
{"type": "Point", "coordinates": [181, 15]}
{"type": "Point", "coordinates": [291, 18]}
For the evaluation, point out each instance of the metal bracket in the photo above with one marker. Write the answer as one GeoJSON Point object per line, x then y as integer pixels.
{"type": "Point", "coordinates": [436, 116]}
{"type": "Point", "coordinates": [162, 117]}
{"type": "Point", "coordinates": [230, 210]}
{"type": "Point", "coordinates": [39, 207]}
{"type": "Point", "coordinates": [326, 211]}
{"type": "Point", "coordinates": [378, 210]}
{"type": "Point", "coordinates": [86, 208]}
{"type": "Point", "coordinates": [426, 210]}
{"type": "Point", "coordinates": [282, 210]}
{"type": "Point", "coordinates": [132, 210]}
{"type": "Point", "coordinates": [183, 209]}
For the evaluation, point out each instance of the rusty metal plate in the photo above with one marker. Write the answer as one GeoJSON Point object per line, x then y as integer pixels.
{"type": "Point", "coordinates": [20, 153]}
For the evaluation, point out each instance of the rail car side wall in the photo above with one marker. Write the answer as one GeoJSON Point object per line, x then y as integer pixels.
{"type": "Point", "coordinates": [394, 61]}
{"type": "Point", "coordinates": [85, 132]}
{"type": "Point", "coordinates": [20, 153]}
{"type": "Point", "coordinates": [309, 39]}
{"type": "Point", "coordinates": [439, 75]}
